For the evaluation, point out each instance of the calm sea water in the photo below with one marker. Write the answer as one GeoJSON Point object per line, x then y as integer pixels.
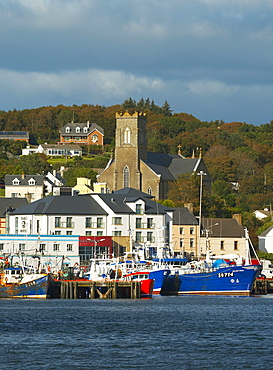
{"type": "Point", "coordinates": [158, 333]}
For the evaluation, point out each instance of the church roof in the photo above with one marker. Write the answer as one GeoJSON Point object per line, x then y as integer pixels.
{"type": "Point", "coordinates": [170, 166]}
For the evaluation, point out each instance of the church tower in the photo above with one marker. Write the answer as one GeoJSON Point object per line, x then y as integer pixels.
{"type": "Point", "coordinates": [131, 147]}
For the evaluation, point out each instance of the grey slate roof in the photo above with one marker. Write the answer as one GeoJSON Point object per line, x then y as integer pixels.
{"type": "Point", "coordinates": [182, 216]}
{"type": "Point", "coordinates": [81, 125]}
{"type": "Point", "coordinates": [24, 181]}
{"type": "Point", "coordinates": [61, 146]}
{"type": "Point", "coordinates": [170, 166]}
{"type": "Point", "coordinates": [9, 204]}
{"type": "Point", "coordinates": [227, 227]}
{"type": "Point", "coordinates": [12, 135]}
{"type": "Point", "coordinates": [133, 192]}
{"type": "Point", "coordinates": [62, 205]}
{"type": "Point", "coordinates": [117, 201]}
{"type": "Point", "coordinates": [264, 233]}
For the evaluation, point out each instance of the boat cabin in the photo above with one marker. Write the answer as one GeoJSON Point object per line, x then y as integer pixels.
{"type": "Point", "coordinates": [12, 275]}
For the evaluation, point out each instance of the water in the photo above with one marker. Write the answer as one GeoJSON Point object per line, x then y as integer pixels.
{"type": "Point", "coordinates": [159, 333]}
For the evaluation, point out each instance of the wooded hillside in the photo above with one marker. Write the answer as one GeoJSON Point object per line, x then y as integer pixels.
{"type": "Point", "coordinates": [239, 156]}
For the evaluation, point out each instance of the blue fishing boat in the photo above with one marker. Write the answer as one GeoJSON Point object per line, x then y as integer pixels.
{"type": "Point", "coordinates": [15, 283]}
{"type": "Point", "coordinates": [227, 280]}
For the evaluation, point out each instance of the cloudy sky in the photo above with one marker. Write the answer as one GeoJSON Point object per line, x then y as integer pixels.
{"type": "Point", "coordinates": [210, 58]}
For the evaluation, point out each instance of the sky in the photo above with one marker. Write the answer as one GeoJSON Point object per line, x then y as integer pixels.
{"type": "Point", "coordinates": [209, 58]}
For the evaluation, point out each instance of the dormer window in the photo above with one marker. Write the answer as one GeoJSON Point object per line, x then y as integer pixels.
{"type": "Point", "coordinates": [94, 138]}
{"type": "Point", "coordinates": [15, 181]}
{"type": "Point", "coordinates": [67, 130]}
{"type": "Point", "coordinates": [31, 182]}
{"type": "Point", "coordinates": [85, 129]}
{"type": "Point", "coordinates": [78, 130]}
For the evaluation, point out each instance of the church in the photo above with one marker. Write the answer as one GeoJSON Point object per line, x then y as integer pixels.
{"type": "Point", "coordinates": [132, 166]}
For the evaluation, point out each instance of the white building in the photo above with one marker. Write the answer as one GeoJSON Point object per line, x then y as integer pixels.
{"type": "Point", "coordinates": [53, 150]}
{"type": "Point", "coordinates": [266, 240]}
{"type": "Point", "coordinates": [24, 186]}
{"type": "Point", "coordinates": [56, 222]}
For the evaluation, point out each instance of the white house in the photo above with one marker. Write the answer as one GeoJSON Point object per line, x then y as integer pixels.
{"type": "Point", "coordinates": [24, 186]}
{"type": "Point", "coordinates": [266, 240]}
{"type": "Point", "coordinates": [53, 150]}
{"type": "Point", "coordinates": [263, 213]}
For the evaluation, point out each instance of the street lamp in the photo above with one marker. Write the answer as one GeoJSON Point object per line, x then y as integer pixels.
{"type": "Point", "coordinates": [201, 174]}
{"type": "Point", "coordinates": [207, 231]}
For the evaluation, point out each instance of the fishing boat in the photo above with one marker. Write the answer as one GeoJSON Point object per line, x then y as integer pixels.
{"type": "Point", "coordinates": [16, 282]}
{"type": "Point", "coordinates": [216, 275]}
{"type": "Point", "coordinates": [151, 275]}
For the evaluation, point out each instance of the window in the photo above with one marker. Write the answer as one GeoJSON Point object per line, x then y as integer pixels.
{"type": "Point", "coordinates": [69, 247]}
{"type": "Point", "coordinates": [150, 223]}
{"type": "Point", "coordinates": [181, 243]}
{"type": "Point", "coordinates": [116, 233]}
{"type": "Point", "coordinates": [222, 245]}
{"type": "Point", "coordinates": [42, 247]}
{"type": "Point", "coordinates": [38, 226]}
{"type": "Point", "coordinates": [15, 182]}
{"type": "Point", "coordinates": [57, 232]}
{"type": "Point", "coordinates": [191, 230]}
{"type": "Point", "coordinates": [31, 182]}
{"type": "Point", "coordinates": [235, 245]}
{"type": "Point", "coordinates": [138, 236]}
{"type": "Point", "coordinates": [191, 243]}
{"type": "Point", "coordinates": [149, 191]}
{"type": "Point", "coordinates": [14, 195]}
{"type": "Point", "coordinates": [22, 247]}
{"type": "Point", "coordinates": [69, 222]}
{"type": "Point", "coordinates": [1, 247]}
{"type": "Point", "coordinates": [138, 223]}
{"type": "Point", "coordinates": [99, 222]}
{"type": "Point", "coordinates": [88, 222]}
{"type": "Point", "coordinates": [16, 225]}
{"type": "Point", "coordinates": [150, 237]}
{"type": "Point", "coordinates": [88, 233]}
{"type": "Point", "coordinates": [56, 247]}
{"type": "Point", "coordinates": [117, 221]}
{"type": "Point", "coordinates": [99, 233]}
{"type": "Point", "coordinates": [67, 130]}
{"type": "Point", "coordinates": [126, 177]}
{"type": "Point", "coordinates": [78, 130]}
{"type": "Point", "coordinates": [85, 129]}
{"type": "Point", "coordinates": [94, 138]}
{"type": "Point", "coordinates": [57, 221]}
{"type": "Point", "coordinates": [181, 230]}
{"type": "Point", "coordinates": [139, 209]}
{"type": "Point", "coordinates": [127, 136]}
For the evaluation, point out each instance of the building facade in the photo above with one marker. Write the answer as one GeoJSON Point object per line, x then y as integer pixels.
{"type": "Point", "coordinates": [82, 133]}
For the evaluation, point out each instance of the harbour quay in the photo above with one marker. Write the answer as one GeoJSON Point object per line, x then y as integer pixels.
{"type": "Point", "coordinates": [82, 289]}
{"type": "Point", "coordinates": [263, 286]}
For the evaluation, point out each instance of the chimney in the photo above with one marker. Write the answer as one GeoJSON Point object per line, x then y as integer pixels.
{"type": "Point", "coordinates": [23, 176]}
{"type": "Point", "coordinates": [88, 124]}
{"type": "Point", "coordinates": [238, 217]}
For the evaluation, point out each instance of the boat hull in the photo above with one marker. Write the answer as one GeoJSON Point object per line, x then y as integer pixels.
{"type": "Point", "coordinates": [232, 280]}
{"type": "Point", "coordinates": [159, 277]}
{"type": "Point", "coordinates": [38, 288]}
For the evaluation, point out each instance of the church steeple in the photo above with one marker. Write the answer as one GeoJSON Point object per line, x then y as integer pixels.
{"type": "Point", "coordinates": [131, 147]}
